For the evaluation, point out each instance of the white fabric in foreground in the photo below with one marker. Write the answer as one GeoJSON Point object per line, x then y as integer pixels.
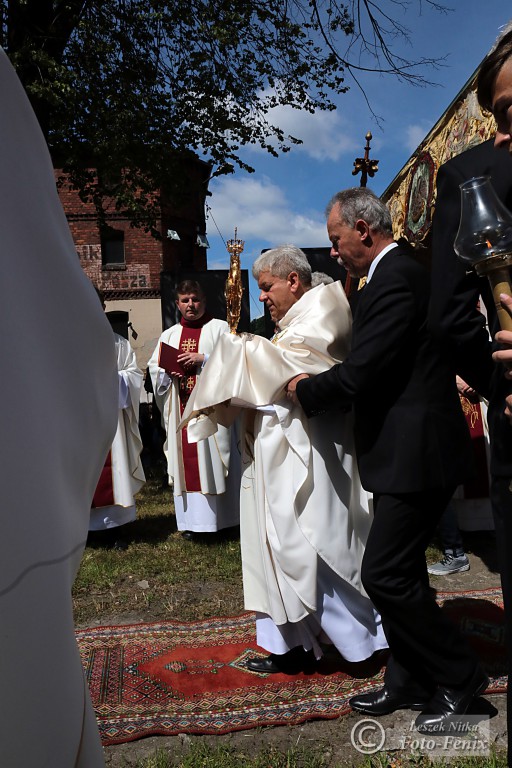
{"type": "Point", "coordinates": [59, 393]}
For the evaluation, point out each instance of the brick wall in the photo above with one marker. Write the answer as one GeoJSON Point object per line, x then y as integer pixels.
{"type": "Point", "coordinates": [145, 256]}
{"type": "Point", "coordinates": [143, 253]}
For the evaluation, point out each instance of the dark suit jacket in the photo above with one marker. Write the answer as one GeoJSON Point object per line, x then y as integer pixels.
{"type": "Point", "coordinates": [454, 318]}
{"type": "Point", "coordinates": [410, 432]}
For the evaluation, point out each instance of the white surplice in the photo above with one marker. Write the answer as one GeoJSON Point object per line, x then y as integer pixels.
{"type": "Point", "coordinates": [59, 394]}
{"type": "Point", "coordinates": [304, 515]}
{"type": "Point", "coordinates": [216, 506]}
{"type": "Point", "coordinates": [127, 471]}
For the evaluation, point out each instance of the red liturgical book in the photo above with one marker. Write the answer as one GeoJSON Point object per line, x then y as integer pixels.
{"type": "Point", "coordinates": [168, 360]}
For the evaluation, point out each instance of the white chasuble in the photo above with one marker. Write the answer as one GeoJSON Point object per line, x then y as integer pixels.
{"type": "Point", "coordinates": [301, 498]}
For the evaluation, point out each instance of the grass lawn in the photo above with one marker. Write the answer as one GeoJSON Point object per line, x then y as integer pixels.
{"type": "Point", "coordinates": [159, 576]}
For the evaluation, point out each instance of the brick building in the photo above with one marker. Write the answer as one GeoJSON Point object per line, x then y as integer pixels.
{"type": "Point", "coordinates": [125, 262]}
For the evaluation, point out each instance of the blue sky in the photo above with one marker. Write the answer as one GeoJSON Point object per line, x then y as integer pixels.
{"type": "Point", "coordinates": [284, 200]}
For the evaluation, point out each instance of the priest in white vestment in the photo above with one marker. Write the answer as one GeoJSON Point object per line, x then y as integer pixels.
{"type": "Point", "coordinates": [304, 515]}
{"type": "Point", "coordinates": [58, 421]}
{"type": "Point", "coordinates": [205, 477]}
{"type": "Point", "coordinates": [122, 475]}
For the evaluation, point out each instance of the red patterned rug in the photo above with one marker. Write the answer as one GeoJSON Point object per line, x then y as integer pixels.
{"type": "Point", "coordinates": [177, 677]}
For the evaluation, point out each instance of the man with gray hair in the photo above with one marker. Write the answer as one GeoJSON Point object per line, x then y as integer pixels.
{"type": "Point", "coordinates": [412, 447]}
{"type": "Point", "coordinates": [278, 263]}
{"type": "Point", "coordinates": [320, 277]}
{"type": "Point", "coordinates": [304, 517]}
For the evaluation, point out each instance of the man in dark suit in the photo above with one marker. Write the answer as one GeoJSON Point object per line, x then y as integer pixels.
{"type": "Point", "coordinates": [454, 318]}
{"type": "Point", "coordinates": [412, 445]}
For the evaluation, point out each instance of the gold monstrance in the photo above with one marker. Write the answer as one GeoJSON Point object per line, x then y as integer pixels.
{"type": "Point", "coordinates": [234, 288]}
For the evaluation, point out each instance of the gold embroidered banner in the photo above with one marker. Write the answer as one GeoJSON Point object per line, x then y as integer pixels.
{"type": "Point", "coordinates": [411, 195]}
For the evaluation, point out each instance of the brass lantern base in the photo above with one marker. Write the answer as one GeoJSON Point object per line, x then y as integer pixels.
{"type": "Point", "coordinates": [497, 269]}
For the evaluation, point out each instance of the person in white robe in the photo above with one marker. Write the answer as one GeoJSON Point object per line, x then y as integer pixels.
{"type": "Point", "coordinates": [206, 477]}
{"type": "Point", "coordinates": [122, 475]}
{"type": "Point", "coordinates": [304, 515]}
{"type": "Point", "coordinates": [58, 421]}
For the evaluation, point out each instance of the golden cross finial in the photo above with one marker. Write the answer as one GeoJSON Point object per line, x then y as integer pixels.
{"type": "Point", "coordinates": [364, 165]}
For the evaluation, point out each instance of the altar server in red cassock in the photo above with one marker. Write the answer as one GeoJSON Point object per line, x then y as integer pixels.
{"type": "Point", "coordinates": [206, 496]}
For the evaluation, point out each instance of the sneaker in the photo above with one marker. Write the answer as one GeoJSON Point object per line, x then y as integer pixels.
{"type": "Point", "coordinates": [449, 564]}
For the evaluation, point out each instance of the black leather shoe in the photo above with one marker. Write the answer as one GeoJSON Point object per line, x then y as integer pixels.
{"type": "Point", "coordinates": [188, 535]}
{"type": "Point", "coordinates": [120, 545]}
{"type": "Point", "coordinates": [384, 701]}
{"type": "Point", "coordinates": [448, 702]}
{"type": "Point", "coordinates": [265, 666]}
{"type": "Point", "coordinates": [291, 663]}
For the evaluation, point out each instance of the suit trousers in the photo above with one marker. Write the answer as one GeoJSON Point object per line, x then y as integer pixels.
{"type": "Point", "coordinates": [427, 649]}
{"type": "Point", "coordinates": [501, 498]}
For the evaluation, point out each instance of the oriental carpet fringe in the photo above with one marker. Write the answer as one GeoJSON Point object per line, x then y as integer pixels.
{"type": "Point", "coordinates": [190, 677]}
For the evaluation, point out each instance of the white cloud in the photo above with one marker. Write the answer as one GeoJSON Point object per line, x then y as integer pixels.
{"type": "Point", "coordinates": [260, 210]}
{"type": "Point", "coordinates": [415, 135]}
{"type": "Point", "coordinates": [324, 134]}
{"type": "Point", "coordinates": [222, 263]}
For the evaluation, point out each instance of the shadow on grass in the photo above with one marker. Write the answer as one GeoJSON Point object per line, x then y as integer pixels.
{"type": "Point", "coordinates": [153, 530]}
